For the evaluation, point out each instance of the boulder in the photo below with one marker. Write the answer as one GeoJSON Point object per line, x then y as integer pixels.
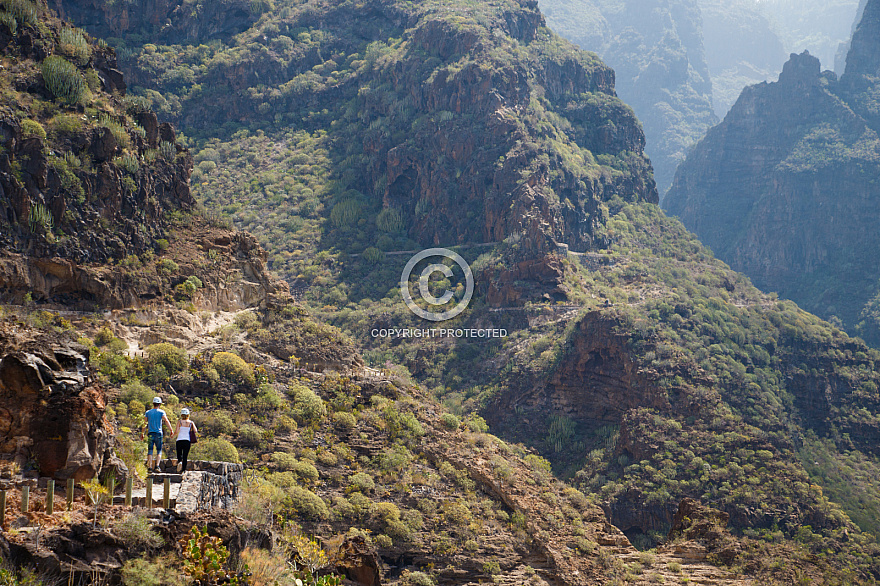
{"type": "Point", "coordinates": [54, 413]}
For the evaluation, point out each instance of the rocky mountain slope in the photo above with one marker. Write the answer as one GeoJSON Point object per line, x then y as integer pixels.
{"type": "Point", "coordinates": [798, 218]}
{"type": "Point", "coordinates": [365, 461]}
{"type": "Point", "coordinates": [643, 369]}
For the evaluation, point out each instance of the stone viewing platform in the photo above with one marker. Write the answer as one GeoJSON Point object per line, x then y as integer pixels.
{"type": "Point", "coordinates": [205, 485]}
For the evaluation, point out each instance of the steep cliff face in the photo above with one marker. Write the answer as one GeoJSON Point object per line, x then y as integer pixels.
{"type": "Point", "coordinates": [656, 50]}
{"type": "Point", "coordinates": [95, 213]}
{"type": "Point", "coordinates": [83, 174]}
{"type": "Point", "coordinates": [784, 188]}
{"type": "Point", "coordinates": [843, 49]}
{"type": "Point", "coordinates": [862, 57]}
{"type": "Point", "coordinates": [170, 21]}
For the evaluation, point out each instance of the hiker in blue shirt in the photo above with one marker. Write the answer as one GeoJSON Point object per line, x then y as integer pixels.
{"type": "Point", "coordinates": [155, 417]}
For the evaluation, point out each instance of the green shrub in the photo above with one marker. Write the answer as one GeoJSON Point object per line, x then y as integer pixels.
{"type": "Point", "coordinates": [32, 129]}
{"type": "Point", "coordinates": [136, 391]}
{"type": "Point", "coordinates": [345, 419]}
{"type": "Point", "coordinates": [285, 424]}
{"type": "Point", "coordinates": [373, 255]}
{"type": "Point", "coordinates": [117, 129]}
{"type": "Point", "coordinates": [361, 481]}
{"type": "Point", "coordinates": [390, 220]}
{"type": "Point", "coordinates": [304, 470]}
{"type": "Point", "coordinates": [39, 218]}
{"type": "Point", "coordinates": [214, 423]}
{"type": "Point", "coordinates": [477, 424]}
{"type": "Point", "coordinates": [69, 181]}
{"type": "Point", "coordinates": [418, 579]}
{"type": "Point", "coordinates": [169, 356]}
{"type": "Point", "coordinates": [63, 79]}
{"type": "Point", "coordinates": [119, 369]}
{"type": "Point", "coordinates": [327, 458]}
{"type": "Point", "coordinates": [268, 399]}
{"type": "Point", "coordinates": [450, 421]}
{"type": "Point", "coordinates": [146, 572]}
{"type": "Point", "coordinates": [215, 449]}
{"type": "Point", "coordinates": [387, 512]}
{"type": "Point", "coordinates": [307, 406]}
{"type": "Point", "coordinates": [250, 434]}
{"type": "Point", "coordinates": [73, 43]}
{"type": "Point", "coordinates": [24, 11]}
{"type": "Point", "coordinates": [137, 532]}
{"type": "Point", "coordinates": [166, 266]}
{"type": "Point", "coordinates": [137, 408]}
{"type": "Point", "coordinates": [398, 530]}
{"type": "Point", "coordinates": [117, 346]}
{"type": "Point", "coordinates": [128, 162]}
{"type": "Point", "coordinates": [234, 369]}
{"type": "Point", "coordinates": [346, 213]}
{"type": "Point", "coordinates": [189, 287]}
{"type": "Point", "coordinates": [383, 541]}
{"type": "Point", "coordinates": [307, 503]}
{"type": "Point", "coordinates": [284, 460]}
{"type": "Point", "coordinates": [104, 336]}
{"type": "Point", "coordinates": [167, 150]}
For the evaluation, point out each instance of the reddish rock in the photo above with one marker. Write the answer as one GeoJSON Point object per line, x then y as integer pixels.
{"type": "Point", "coordinates": [53, 412]}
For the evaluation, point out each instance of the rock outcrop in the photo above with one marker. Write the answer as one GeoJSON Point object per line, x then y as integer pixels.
{"type": "Point", "coordinates": [52, 410]}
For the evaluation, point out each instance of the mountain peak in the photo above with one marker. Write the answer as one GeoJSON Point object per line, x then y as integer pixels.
{"type": "Point", "coordinates": [803, 67]}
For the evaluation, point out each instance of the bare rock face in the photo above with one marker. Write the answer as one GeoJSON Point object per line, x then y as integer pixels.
{"type": "Point", "coordinates": [706, 528]}
{"type": "Point", "coordinates": [53, 412]}
{"type": "Point", "coordinates": [356, 560]}
{"type": "Point", "coordinates": [65, 281]}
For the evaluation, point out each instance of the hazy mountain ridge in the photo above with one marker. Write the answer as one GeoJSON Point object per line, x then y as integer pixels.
{"type": "Point", "coordinates": [798, 218]}
{"type": "Point", "coordinates": [656, 50]}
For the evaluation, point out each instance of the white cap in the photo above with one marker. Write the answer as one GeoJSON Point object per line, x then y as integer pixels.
{"type": "Point", "coordinates": [157, 400]}
{"type": "Point", "coordinates": [184, 411]}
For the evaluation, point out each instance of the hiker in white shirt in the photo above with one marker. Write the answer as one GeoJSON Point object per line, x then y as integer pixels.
{"type": "Point", "coordinates": [184, 433]}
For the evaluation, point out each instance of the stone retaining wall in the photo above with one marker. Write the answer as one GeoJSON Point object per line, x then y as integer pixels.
{"type": "Point", "coordinates": [210, 485]}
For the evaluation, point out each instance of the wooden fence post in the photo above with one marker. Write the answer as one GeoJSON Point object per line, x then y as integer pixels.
{"type": "Point", "coordinates": [70, 488]}
{"type": "Point", "coordinates": [149, 495]}
{"type": "Point", "coordinates": [166, 499]}
{"type": "Point", "coordinates": [2, 508]}
{"type": "Point", "coordinates": [128, 485]}
{"type": "Point", "coordinates": [25, 498]}
{"type": "Point", "coordinates": [50, 496]}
